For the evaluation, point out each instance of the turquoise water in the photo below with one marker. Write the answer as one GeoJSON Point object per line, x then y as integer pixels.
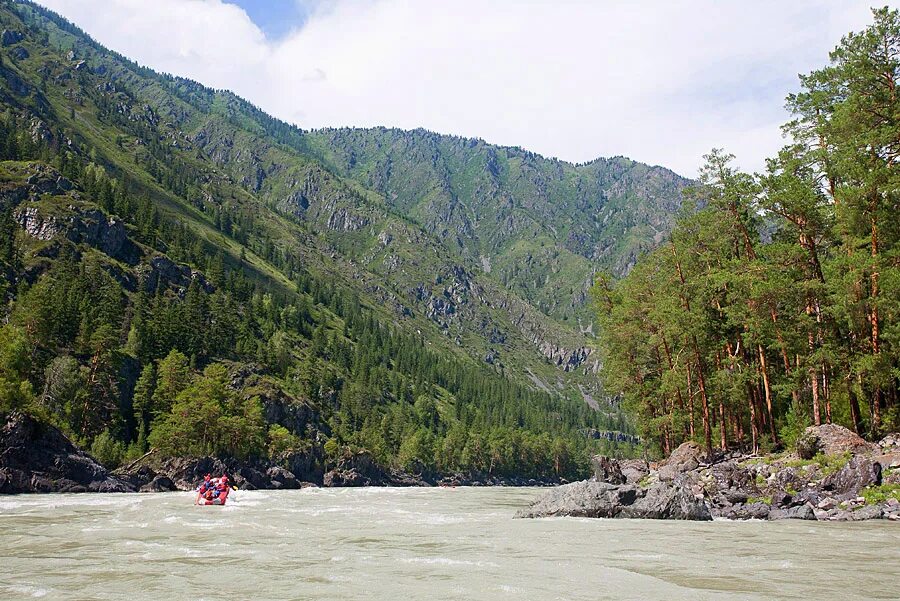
{"type": "Point", "coordinates": [437, 543]}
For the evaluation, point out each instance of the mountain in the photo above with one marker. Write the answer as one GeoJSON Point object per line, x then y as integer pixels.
{"type": "Point", "coordinates": [401, 286]}
{"type": "Point", "coordinates": [541, 227]}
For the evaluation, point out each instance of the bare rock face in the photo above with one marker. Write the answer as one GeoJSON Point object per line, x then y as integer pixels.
{"type": "Point", "coordinates": [833, 439]}
{"type": "Point", "coordinates": [607, 470]}
{"type": "Point", "coordinates": [669, 501]}
{"type": "Point", "coordinates": [683, 459]}
{"type": "Point", "coordinates": [859, 473]}
{"type": "Point", "coordinates": [634, 470]}
{"type": "Point", "coordinates": [582, 499]}
{"type": "Point", "coordinates": [801, 512]}
{"type": "Point", "coordinates": [36, 457]}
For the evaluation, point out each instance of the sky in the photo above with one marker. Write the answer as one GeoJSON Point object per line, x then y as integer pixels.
{"type": "Point", "coordinates": [659, 81]}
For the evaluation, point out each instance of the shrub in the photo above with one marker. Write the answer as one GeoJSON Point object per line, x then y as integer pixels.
{"type": "Point", "coordinates": [107, 450]}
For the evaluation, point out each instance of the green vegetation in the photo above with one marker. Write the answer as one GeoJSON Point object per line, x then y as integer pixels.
{"type": "Point", "coordinates": [160, 238]}
{"type": "Point", "coordinates": [767, 500]}
{"type": "Point", "coordinates": [828, 464]}
{"type": "Point", "coordinates": [880, 494]}
{"type": "Point", "coordinates": [776, 302]}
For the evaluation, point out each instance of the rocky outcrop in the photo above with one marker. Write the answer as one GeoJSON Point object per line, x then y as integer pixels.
{"type": "Point", "coordinates": [607, 470]}
{"type": "Point", "coordinates": [841, 483]}
{"type": "Point", "coordinates": [603, 500]}
{"type": "Point", "coordinates": [685, 458]}
{"type": "Point", "coordinates": [859, 473]}
{"type": "Point", "coordinates": [356, 469]}
{"type": "Point", "coordinates": [584, 499]}
{"type": "Point", "coordinates": [9, 37]}
{"type": "Point", "coordinates": [163, 272]}
{"type": "Point", "coordinates": [36, 457]}
{"type": "Point", "coordinates": [669, 501]}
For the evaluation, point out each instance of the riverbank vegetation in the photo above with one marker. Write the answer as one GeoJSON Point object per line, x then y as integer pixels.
{"type": "Point", "coordinates": [775, 304]}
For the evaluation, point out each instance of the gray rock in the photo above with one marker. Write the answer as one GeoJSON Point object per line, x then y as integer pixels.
{"type": "Point", "coordinates": [281, 478]}
{"type": "Point", "coordinates": [161, 483]}
{"type": "Point", "coordinates": [9, 37]}
{"type": "Point", "coordinates": [37, 457]}
{"type": "Point", "coordinates": [668, 501]}
{"type": "Point", "coordinates": [781, 499]}
{"type": "Point", "coordinates": [801, 512]}
{"type": "Point", "coordinates": [742, 511]}
{"type": "Point", "coordinates": [607, 470]}
{"type": "Point", "coordinates": [634, 470]}
{"type": "Point", "coordinates": [582, 499]}
{"type": "Point", "coordinates": [859, 473]}
{"type": "Point", "coordinates": [832, 439]}
{"type": "Point", "coordinates": [683, 459]}
{"type": "Point", "coordinates": [858, 514]}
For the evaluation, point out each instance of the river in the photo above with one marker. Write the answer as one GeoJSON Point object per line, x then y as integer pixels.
{"type": "Point", "coordinates": [405, 544]}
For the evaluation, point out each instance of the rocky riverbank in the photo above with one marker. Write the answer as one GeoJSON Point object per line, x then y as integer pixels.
{"type": "Point", "coordinates": [36, 457]}
{"type": "Point", "coordinates": [834, 475]}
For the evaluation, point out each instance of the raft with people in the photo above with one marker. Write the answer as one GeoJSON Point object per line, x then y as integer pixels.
{"type": "Point", "coordinates": [213, 491]}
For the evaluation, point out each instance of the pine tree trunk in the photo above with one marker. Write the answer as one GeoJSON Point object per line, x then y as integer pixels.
{"type": "Point", "coordinates": [765, 377]}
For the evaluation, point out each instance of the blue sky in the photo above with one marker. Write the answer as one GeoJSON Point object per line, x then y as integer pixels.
{"type": "Point", "coordinates": [660, 81]}
{"type": "Point", "coordinates": [276, 18]}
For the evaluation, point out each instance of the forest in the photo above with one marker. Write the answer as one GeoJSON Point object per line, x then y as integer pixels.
{"type": "Point", "coordinates": [122, 367]}
{"type": "Point", "coordinates": [774, 305]}
{"type": "Point", "coordinates": [74, 334]}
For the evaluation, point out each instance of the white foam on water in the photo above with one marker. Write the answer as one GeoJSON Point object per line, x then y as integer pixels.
{"type": "Point", "coordinates": [32, 591]}
{"type": "Point", "coordinates": [447, 561]}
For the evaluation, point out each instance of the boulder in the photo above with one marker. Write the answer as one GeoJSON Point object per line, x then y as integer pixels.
{"type": "Point", "coordinates": [281, 478]}
{"type": "Point", "coordinates": [136, 477]}
{"type": "Point", "coordinates": [607, 470]}
{"type": "Point", "coordinates": [832, 439]}
{"type": "Point", "coordinates": [582, 499]}
{"type": "Point", "coordinates": [859, 473]}
{"type": "Point", "coordinates": [742, 511]}
{"type": "Point", "coordinates": [340, 478]}
{"type": "Point", "coordinates": [669, 501]}
{"type": "Point", "coordinates": [634, 470]}
{"type": "Point", "coordinates": [685, 458]}
{"type": "Point", "coordinates": [890, 443]}
{"type": "Point", "coordinates": [800, 512]}
{"type": "Point", "coordinates": [781, 499]}
{"type": "Point", "coordinates": [868, 512]}
{"type": "Point", "coordinates": [161, 483]}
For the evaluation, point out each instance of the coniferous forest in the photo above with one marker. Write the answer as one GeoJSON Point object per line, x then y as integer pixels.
{"type": "Point", "coordinates": [154, 299]}
{"type": "Point", "coordinates": [775, 304]}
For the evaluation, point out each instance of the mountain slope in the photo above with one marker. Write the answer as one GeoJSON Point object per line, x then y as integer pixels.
{"type": "Point", "coordinates": [541, 227]}
{"type": "Point", "coordinates": [195, 185]}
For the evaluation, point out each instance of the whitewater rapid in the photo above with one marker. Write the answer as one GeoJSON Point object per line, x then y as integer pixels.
{"type": "Point", "coordinates": [433, 543]}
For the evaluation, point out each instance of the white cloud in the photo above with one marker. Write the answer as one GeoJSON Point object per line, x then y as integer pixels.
{"type": "Point", "coordinates": [660, 81]}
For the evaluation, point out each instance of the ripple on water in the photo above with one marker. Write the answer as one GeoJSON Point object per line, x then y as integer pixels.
{"type": "Point", "coordinates": [371, 544]}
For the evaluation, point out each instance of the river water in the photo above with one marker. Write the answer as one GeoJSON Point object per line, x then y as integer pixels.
{"type": "Point", "coordinates": [405, 544]}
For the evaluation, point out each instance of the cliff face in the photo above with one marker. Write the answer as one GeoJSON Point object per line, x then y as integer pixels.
{"type": "Point", "coordinates": [36, 457]}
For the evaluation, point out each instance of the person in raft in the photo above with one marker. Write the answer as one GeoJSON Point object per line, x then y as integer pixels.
{"type": "Point", "coordinates": [213, 491]}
